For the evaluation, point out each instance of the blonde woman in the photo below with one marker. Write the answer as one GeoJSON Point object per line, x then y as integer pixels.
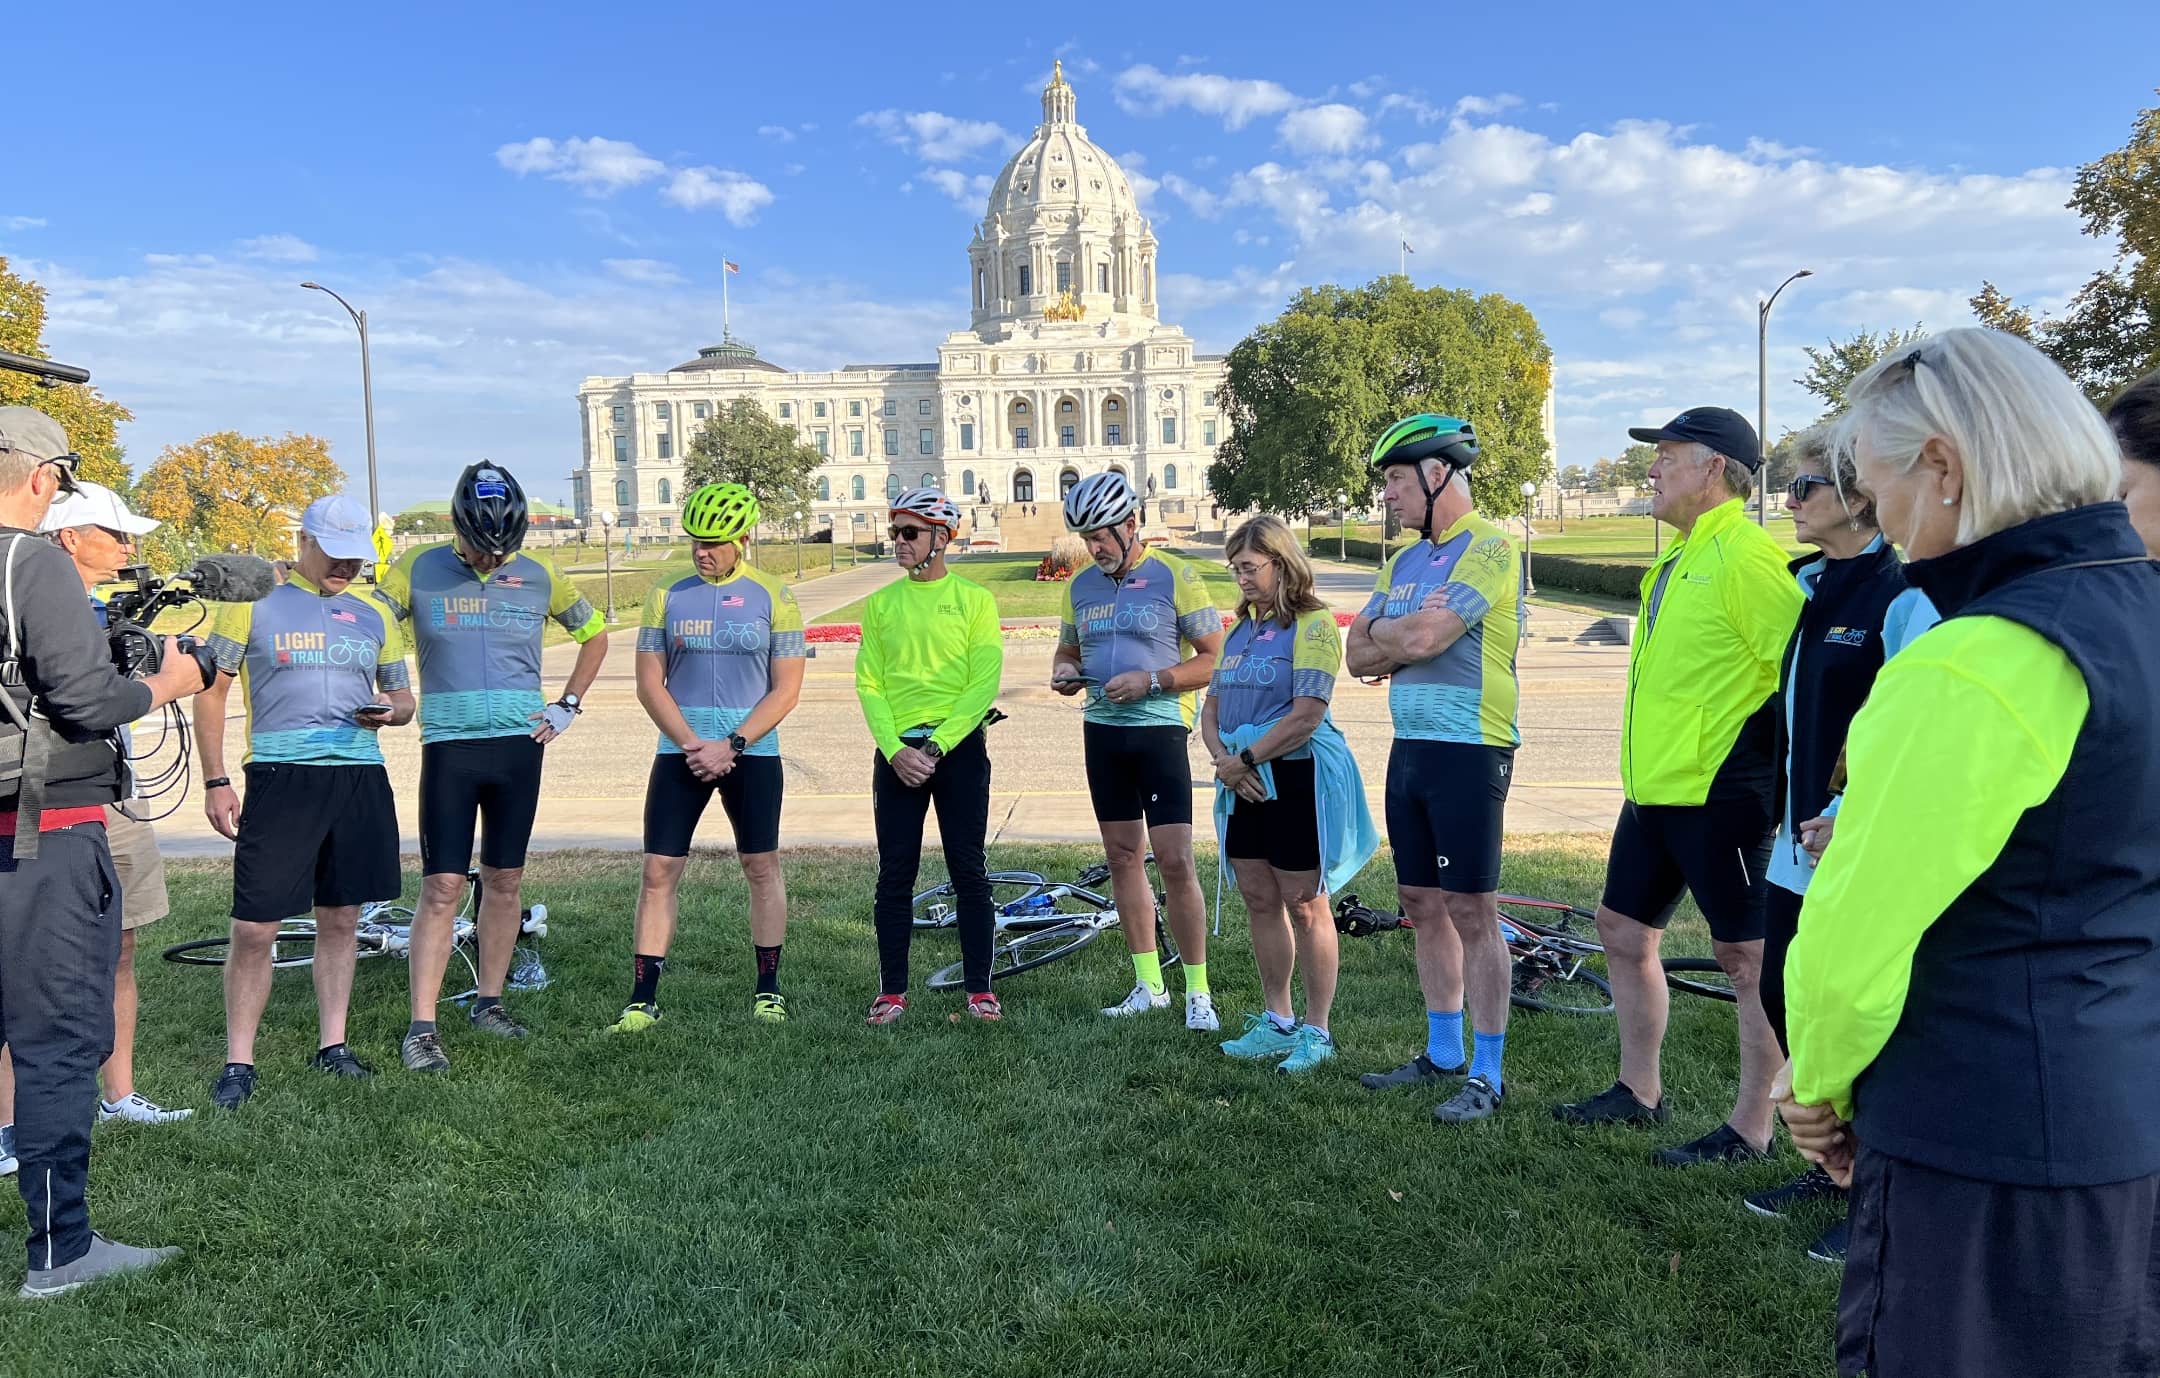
{"type": "Point", "coordinates": [1289, 802]}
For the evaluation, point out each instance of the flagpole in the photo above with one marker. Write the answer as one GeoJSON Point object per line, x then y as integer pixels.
{"type": "Point", "coordinates": [725, 332]}
{"type": "Point", "coordinates": [1402, 259]}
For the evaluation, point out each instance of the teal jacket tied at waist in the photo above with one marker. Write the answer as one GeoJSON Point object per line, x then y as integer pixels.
{"type": "Point", "coordinates": [1348, 838]}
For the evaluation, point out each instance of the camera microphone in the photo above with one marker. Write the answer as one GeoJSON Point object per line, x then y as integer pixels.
{"type": "Point", "coordinates": [230, 578]}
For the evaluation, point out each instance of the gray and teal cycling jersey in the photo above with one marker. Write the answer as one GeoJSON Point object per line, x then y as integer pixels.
{"type": "Point", "coordinates": [1265, 665]}
{"type": "Point", "coordinates": [1468, 692]}
{"type": "Point", "coordinates": [479, 637]}
{"type": "Point", "coordinates": [720, 640]}
{"type": "Point", "coordinates": [1146, 621]}
{"type": "Point", "coordinates": [306, 663]}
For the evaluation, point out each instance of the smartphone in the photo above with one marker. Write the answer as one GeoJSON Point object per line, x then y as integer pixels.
{"type": "Point", "coordinates": [377, 710]}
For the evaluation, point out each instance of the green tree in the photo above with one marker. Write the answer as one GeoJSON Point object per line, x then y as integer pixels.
{"type": "Point", "coordinates": [743, 444]}
{"type": "Point", "coordinates": [1309, 392]}
{"type": "Point", "coordinates": [1832, 369]}
{"type": "Point", "coordinates": [228, 491]}
{"type": "Point", "coordinates": [1601, 476]}
{"type": "Point", "coordinates": [1633, 467]}
{"type": "Point", "coordinates": [91, 421]}
{"type": "Point", "coordinates": [1574, 476]}
{"type": "Point", "coordinates": [2109, 333]}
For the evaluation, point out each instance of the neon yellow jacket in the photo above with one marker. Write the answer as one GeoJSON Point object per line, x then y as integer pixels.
{"type": "Point", "coordinates": [1965, 730]}
{"type": "Point", "coordinates": [1708, 656]}
{"type": "Point", "coordinates": [930, 653]}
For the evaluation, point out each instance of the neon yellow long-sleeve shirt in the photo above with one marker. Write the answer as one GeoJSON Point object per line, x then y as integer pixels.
{"type": "Point", "coordinates": [930, 653]}
{"type": "Point", "coordinates": [1964, 731]}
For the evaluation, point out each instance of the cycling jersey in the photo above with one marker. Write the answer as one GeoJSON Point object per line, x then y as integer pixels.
{"type": "Point", "coordinates": [1467, 693]}
{"type": "Point", "coordinates": [720, 638]}
{"type": "Point", "coordinates": [1145, 621]}
{"type": "Point", "coordinates": [479, 637]}
{"type": "Point", "coordinates": [305, 662]}
{"type": "Point", "coordinates": [1265, 665]}
{"type": "Point", "coordinates": [931, 654]}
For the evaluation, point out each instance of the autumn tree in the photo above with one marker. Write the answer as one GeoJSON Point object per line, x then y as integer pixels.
{"type": "Point", "coordinates": [1574, 476]}
{"type": "Point", "coordinates": [1632, 468]}
{"type": "Point", "coordinates": [1832, 369]}
{"type": "Point", "coordinates": [91, 421]}
{"type": "Point", "coordinates": [744, 444]}
{"type": "Point", "coordinates": [233, 492]}
{"type": "Point", "coordinates": [1601, 476]}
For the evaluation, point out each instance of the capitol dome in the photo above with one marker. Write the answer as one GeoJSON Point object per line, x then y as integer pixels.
{"type": "Point", "coordinates": [1063, 232]}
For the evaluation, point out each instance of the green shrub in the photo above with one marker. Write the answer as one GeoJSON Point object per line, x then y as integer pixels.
{"type": "Point", "coordinates": [1612, 578]}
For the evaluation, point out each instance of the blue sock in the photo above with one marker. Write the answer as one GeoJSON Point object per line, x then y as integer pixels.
{"type": "Point", "coordinates": [1485, 1062]}
{"type": "Point", "coordinates": [1443, 1039]}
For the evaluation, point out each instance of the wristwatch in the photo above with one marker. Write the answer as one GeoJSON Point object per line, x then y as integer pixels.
{"type": "Point", "coordinates": [933, 751]}
{"type": "Point", "coordinates": [739, 742]}
{"type": "Point", "coordinates": [1246, 757]}
{"type": "Point", "coordinates": [571, 702]}
{"type": "Point", "coordinates": [1154, 682]}
{"type": "Point", "coordinates": [221, 782]}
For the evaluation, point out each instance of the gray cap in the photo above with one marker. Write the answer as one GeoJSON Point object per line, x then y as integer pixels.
{"type": "Point", "coordinates": [32, 432]}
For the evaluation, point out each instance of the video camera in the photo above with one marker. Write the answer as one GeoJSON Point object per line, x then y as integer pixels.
{"type": "Point", "coordinates": [213, 579]}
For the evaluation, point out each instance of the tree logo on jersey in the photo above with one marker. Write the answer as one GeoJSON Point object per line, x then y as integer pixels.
{"type": "Point", "coordinates": [1317, 632]}
{"type": "Point", "coordinates": [1493, 553]}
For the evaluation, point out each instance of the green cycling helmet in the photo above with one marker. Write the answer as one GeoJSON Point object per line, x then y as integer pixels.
{"type": "Point", "coordinates": [1448, 439]}
{"type": "Point", "coordinates": [720, 512]}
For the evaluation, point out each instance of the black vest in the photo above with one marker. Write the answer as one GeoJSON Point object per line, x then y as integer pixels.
{"type": "Point", "coordinates": [2027, 1047]}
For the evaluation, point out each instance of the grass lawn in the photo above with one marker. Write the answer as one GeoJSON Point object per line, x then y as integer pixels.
{"type": "Point", "coordinates": [1011, 579]}
{"type": "Point", "coordinates": [1057, 1195]}
{"type": "Point", "coordinates": [1595, 538]}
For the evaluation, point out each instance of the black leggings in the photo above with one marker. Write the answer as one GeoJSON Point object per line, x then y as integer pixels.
{"type": "Point", "coordinates": [1781, 924]}
{"type": "Point", "coordinates": [960, 787]}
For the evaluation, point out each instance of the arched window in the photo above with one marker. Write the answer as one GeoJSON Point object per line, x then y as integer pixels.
{"type": "Point", "coordinates": [622, 492]}
{"type": "Point", "coordinates": [667, 492]}
{"type": "Point", "coordinates": [1023, 486]}
{"type": "Point", "coordinates": [967, 483]}
{"type": "Point", "coordinates": [858, 487]}
{"type": "Point", "coordinates": [1027, 280]}
{"type": "Point", "coordinates": [892, 487]}
{"type": "Point", "coordinates": [1169, 476]}
{"type": "Point", "coordinates": [1066, 481]}
{"type": "Point", "coordinates": [929, 480]}
{"type": "Point", "coordinates": [824, 489]}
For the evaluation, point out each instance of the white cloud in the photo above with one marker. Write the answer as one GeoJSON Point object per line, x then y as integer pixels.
{"type": "Point", "coordinates": [648, 270]}
{"type": "Point", "coordinates": [1486, 105]}
{"type": "Point", "coordinates": [936, 137]}
{"type": "Point", "coordinates": [278, 248]}
{"type": "Point", "coordinates": [971, 192]}
{"type": "Point", "coordinates": [776, 131]}
{"type": "Point", "coordinates": [598, 167]}
{"type": "Point", "coordinates": [1205, 204]}
{"type": "Point", "coordinates": [734, 195]}
{"type": "Point", "coordinates": [1536, 203]}
{"type": "Point", "coordinates": [793, 169]}
{"type": "Point", "coordinates": [1424, 112]}
{"type": "Point", "coordinates": [21, 222]}
{"type": "Point", "coordinates": [1368, 88]}
{"type": "Point", "coordinates": [1142, 90]}
{"type": "Point", "coordinates": [1325, 129]}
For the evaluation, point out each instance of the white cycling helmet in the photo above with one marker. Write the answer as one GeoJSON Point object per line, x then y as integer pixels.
{"type": "Point", "coordinates": [1099, 500]}
{"type": "Point", "coordinates": [929, 504]}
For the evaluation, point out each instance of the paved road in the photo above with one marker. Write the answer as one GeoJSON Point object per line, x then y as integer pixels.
{"type": "Point", "coordinates": [1565, 778]}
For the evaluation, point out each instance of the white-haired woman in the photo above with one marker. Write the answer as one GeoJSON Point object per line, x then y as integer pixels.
{"type": "Point", "coordinates": [1973, 998]}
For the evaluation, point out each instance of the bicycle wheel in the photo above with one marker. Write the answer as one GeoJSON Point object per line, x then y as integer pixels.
{"type": "Point", "coordinates": [1558, 923]}
{"type": "Point", "coordinates": [939, 907]}
{"type": "Point", "coordinates": [1700, 976]}
{"type": "Point", "coordinates": [290, 948]}
{"type": "Point", "coordinates": [1557, 983]}
{"type": "Point", "coordinates": [1022, 952]}
{"type": "Point", "coordinates": [1166, 947]}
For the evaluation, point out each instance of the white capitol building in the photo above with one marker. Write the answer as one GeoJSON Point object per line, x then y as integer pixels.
{"type": "Point", "coordinates": [1065, 370]}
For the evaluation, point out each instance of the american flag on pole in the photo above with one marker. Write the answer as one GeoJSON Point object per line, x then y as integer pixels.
{"type": "Point", "coordinates": [1406, 247]}
{"type": "Point", "coordinates": [730, 265]}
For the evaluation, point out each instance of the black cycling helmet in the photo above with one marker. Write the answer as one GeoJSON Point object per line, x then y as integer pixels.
{"type": "Point", "coordinates": [488, 510]}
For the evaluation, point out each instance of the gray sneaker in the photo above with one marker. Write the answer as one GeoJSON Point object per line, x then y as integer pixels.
{"type": "Point", "coordinates": [496, 1020]}
{"type": "Point", "coordinates": [1477, 1100]}
{"type": "Point", "coordinates": [7, 1150]}
{"type": "Point", "coordinates": [105, 1259]}
{"type": "Point", "coordinates": [423, 1052]}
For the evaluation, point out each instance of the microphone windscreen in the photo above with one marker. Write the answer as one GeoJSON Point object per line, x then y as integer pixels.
{"type": "Point", "coordinates": [231, 578]}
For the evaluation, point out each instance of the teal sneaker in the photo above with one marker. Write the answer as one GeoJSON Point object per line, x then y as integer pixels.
{"type": "Point", "coordinates": [1261, 1040]}
{"type": "Point", "coordinates": [1311, 1048]}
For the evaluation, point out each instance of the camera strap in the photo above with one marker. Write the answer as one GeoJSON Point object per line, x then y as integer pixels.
{"type": "Point", "coordinates": [28, 773]}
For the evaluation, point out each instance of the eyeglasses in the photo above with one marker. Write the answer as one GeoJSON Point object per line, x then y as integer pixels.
{"type": "Point", "coordinates": [64, 466]}
{"type": "Point", "coordinates": [1798, 488]}
{"type": "Point", "coordinates": [909, 533]}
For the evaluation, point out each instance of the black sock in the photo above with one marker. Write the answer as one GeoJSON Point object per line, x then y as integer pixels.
{"type": "Point", "coordinates": [420, 1026]}
{"type": "Point", "coordinates": [768, 969]}
{"type": "Point", "coordinates": [485, 1002]}
{"type": "Point", "coordinates": [332, 1048]}
{"type": "Point", "coordinates": [645, 979]}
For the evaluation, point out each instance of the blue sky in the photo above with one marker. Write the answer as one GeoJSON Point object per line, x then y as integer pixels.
{"type": "Point", "coordinates": [522, 196]}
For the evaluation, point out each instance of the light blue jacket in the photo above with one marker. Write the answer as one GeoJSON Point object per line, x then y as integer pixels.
{"type": "Point", "coordinates": [1348, 838]}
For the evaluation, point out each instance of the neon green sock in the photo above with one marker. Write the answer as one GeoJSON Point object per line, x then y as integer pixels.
{"type": "Point", "coordinates": [1148, 967]}
{"type": "Point", "coordinates": [1196, 978]}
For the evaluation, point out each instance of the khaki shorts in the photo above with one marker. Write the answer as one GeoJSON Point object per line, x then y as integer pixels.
{"type": "Point", "coordinates": [140, 867]}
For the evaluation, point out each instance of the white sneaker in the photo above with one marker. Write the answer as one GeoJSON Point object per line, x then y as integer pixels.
{"type": "Point", "coordinates": [1200, 1012]}
{"type": "Point", "coordinates": [7, 1150]}
{"type": "Point", "coordinates": [137, 1109]}
{"type": "Point", "coordinates": [1139, 1002]}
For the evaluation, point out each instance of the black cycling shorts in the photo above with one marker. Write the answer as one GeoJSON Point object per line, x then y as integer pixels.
{"type": "Point", "coordinates": [1447, 814]}
{"type": "Point", "coordinates": [314, 836]}
{"type": "Point", "coordinates": [1284, 831]}
{"type": "Point", "coordinates": [1718, 852]}
{"type": "Point", "coordinates": [492, 780]}
{"type": "Point", "coordinates": [1136, 772]}
{"type": "Point", "coordinates": [675, 800]}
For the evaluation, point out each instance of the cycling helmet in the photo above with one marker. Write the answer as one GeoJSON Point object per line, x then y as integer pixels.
{"type": "Point", "coordinates": [1415, 439]}
{"type": "Point", "coordinates": [929, 504]}
{"type": "Point", "coordinates": [720, 512]}
{"type": "Point", "coordinates": [1099, 500]}
{"type": "Point", "coordinates": [488, 510]}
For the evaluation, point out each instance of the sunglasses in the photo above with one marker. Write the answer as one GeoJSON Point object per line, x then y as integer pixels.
{"type": "Point", "coordinates": [1801, 483]}
{"type": "Point", "coordinates": [64, 467]}
{"type": "Point", "coordinates": [909, 533]}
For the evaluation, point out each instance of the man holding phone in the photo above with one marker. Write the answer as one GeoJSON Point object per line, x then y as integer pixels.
{"type": "Point", "coordinates": [321, 666]}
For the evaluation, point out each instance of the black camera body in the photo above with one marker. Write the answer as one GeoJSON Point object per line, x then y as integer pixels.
{"type": "Point", "coordinates": [129, 613]}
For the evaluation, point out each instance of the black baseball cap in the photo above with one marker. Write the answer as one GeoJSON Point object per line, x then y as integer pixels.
{"type": "Point", "coordinates": [1721, 428]}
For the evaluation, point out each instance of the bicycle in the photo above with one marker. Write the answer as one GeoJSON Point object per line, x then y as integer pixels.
{"type": "Point", "coordinates": [1036, 921]}
{"type": "Point", "coordinates": [1550, 955]}
{"type": "Point", "coordinates": [386, 931]}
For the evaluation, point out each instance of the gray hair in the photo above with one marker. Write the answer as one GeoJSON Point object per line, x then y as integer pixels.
{"type": "Point", "coordinates": [2029, 441]}
{"type": "Point", "coordinates": [16, 467]}
{"type": "Point", "coordinates": [1739, 479]}
{"type": "Point", "coordinates": [1813, 448]}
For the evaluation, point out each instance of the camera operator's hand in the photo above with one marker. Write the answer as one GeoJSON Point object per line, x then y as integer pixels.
{"type": "Point", "coordinates": [178, 675]}
{"type": "Point", "coordinates": [221, 805]}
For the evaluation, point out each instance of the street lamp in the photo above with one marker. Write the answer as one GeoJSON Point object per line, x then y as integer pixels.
{"type": "Point", "coordinates": [1762, 398]}
{"type": "Point", "coordinates": [367, 386]}
{"type": "Point", "coordinates": [1529, 492]}
{"type": "Point", "coordinates": [607, 553]}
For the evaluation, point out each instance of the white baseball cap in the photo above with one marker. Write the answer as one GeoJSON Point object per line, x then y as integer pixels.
{"type": "Point", "coordinates": [93, 504]}
{"type": "Point", "coordinates": [341, 527]}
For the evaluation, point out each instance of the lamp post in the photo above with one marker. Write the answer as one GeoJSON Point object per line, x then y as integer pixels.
{"type": "Point", "coordinates": [367, 386]}
{"type": "Point", "coordinates": [1762, 397]}
{"type": "Point", "coordinates": [802, 517]}
{"type": "Point", "coordinates": [1529, 492]}
{"type": "Point", "coordinates": [607, 553]}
